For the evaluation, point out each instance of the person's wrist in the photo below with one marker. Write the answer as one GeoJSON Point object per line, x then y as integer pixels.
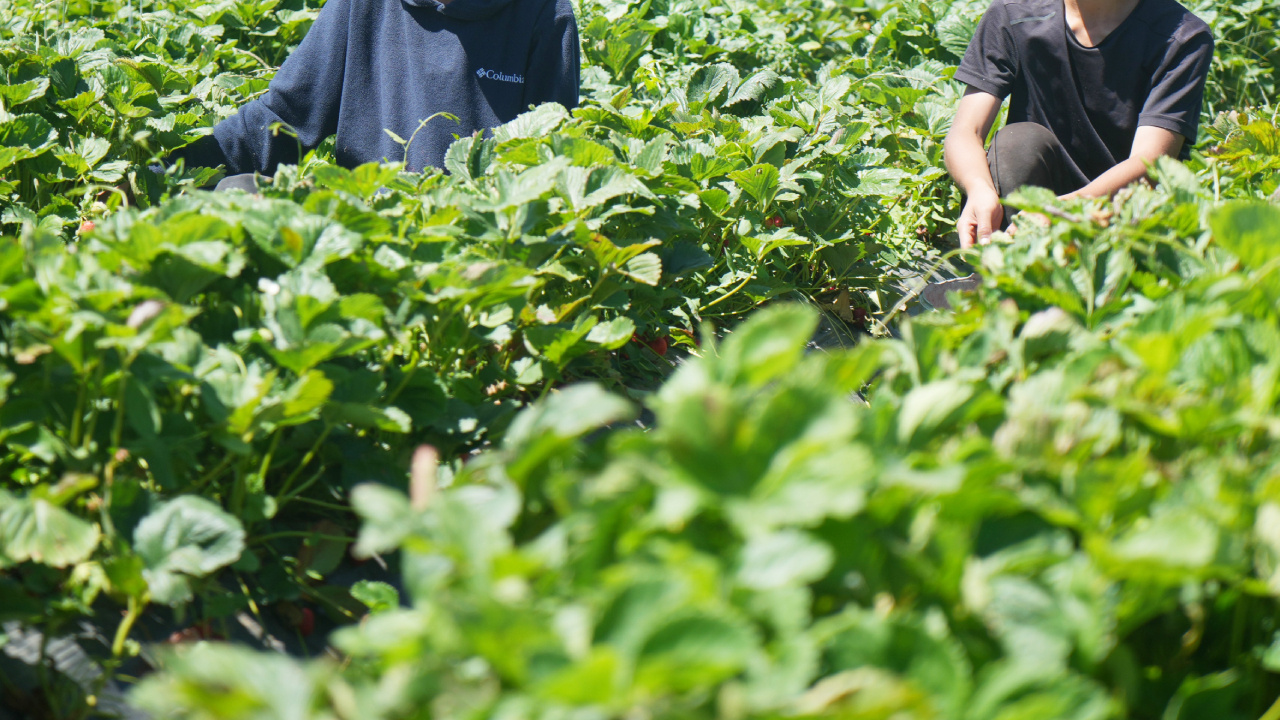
{"type": "Point", "coordinates": [985, 197]}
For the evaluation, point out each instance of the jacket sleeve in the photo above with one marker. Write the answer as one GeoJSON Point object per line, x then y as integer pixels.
{"type": "Point", "coordinates": [555, 62]}
{"type": "Point", "coordinates": [304, 95]}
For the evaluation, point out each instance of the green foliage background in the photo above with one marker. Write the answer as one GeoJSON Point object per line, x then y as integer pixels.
{"type": "Point", "coordinates": [1059, 501]}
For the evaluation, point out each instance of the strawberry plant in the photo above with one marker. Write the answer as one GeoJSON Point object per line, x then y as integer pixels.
{"type": "Point", "coordinates": [525, 384]}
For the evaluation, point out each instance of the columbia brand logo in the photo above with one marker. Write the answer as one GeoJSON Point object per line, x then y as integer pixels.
{"type": "Point", "coordinates": [499, 76]}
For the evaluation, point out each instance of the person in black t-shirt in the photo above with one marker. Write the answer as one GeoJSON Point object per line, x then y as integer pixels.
{"type": "Point", "coordinates": [1100, 89]}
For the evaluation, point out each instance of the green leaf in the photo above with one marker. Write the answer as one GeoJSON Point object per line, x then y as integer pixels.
{"type": "Point", "coordinates": [707, 84]}
{"type": "Point", "coordinates": [1178, 538]}
{"type": "Point", "coordinates": [760, 182]}
{"type": "Point", "coordinates": [768, 345]}
{"type": "Point", "coordinates": [623, 42]}
{"type": "Point", "coordinates": [34, 529]}
{"type": "Point", "coordinates": [379, 596]}
{"type": "Point", "coordinates": [30, 131]}
{"type": "Point", "coordinates": [185, 537]}
{"type": "Point", "coordinates": [561, 342]}
{"type": "Point", "coordinates": [1249, 230]}
{"type": "Point", "coordinates": [645, 269]}
{"type": "Point", "coordinates": [391, 419]}
{"type": "Point", "coordinates": [303, 399]}
{"type": "Point", "coordinates": [786, 557]}
{"type": "Point", "coordinates": [23, 137]}
{"type": "Point", "coordinates": [878, 182]}
{"type": "Point", "coordinates": [753, 88]}
{"type": "Point", "coordinates": [613, 334]}
{"type": "Point", "coordinates": [930, 407]}
{"type": "Point", "coordinates": [14, 95]}
{"type": "Point", "coordinates": [651, 156]}
{"type": "Point", "coordinates": [227, 681]}
{"type": "Point", "coordinates": [760, 247]}
{"type": "Point", "coordinates": [588, 188]}
{"type": "Point", "coordinates": [567, 414]}
{"type": "Point", "coordinates": [536, 123]}
{"type": "Point", "coordinates": [470, 158]}
{"type": "Point", "coordinates": [387, 517]}
{"type": "Point", "coordinates": [693, 650]}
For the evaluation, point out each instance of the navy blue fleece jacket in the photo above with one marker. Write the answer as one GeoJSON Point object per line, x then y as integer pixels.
{"type": "Point", "coordinates": [367, 66]}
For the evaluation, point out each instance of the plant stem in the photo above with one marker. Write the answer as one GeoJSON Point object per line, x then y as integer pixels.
{"type": "Point", "coordinates": [414, 363]}
{"type": "Point", "coordinates": [306, 460]}
{"type": "Point", "coordinates": [266, 459]}
{"type": "Point", "coordinates": [317, 503]}
{"type": "Point", "coordinates": [77, 419]}
{"type": "Point", "coordinates": [214, 473]}
{"type": "Point", "coordinates": [122, 632]}
{"type": "Point", "coordinates": [93, 413]}
{"type": "Point", "coordinates": [283, 500]}
{"type": "Point", "coordinates": [729, 294]}
{"type": "Point", "coordinates": [117, 430]}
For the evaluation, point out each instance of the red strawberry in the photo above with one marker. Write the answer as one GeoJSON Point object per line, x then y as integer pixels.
{"type": "Point", "coordinates": [774, 221]}
{"type": "Point", "coordinates": [86, 227]}
{"type": "Point", "coordinates": [658, 345]}
{"type": "Point", "coordinates": [307, 623]}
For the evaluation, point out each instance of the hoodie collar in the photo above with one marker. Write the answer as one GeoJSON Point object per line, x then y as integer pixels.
{"type": "Point", "coordinates": [463, 9]}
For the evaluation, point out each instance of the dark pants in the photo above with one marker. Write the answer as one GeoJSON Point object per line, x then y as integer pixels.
{"type": "Point", "coordinates": [1029, 154]}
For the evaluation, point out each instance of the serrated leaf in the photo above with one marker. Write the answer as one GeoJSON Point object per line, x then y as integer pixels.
{"type": "Point", "coordinates": [36, 530]}
{"type": "Point", "coordinates": [387, 517]}
{"type": "Point", "coordinates": [929, 407]}
{"type": "Point", "coordinates": [753, 88]}
{"type": "Point", "coordinates": [760, 182]}
{"type": "Point", "coordinates": [613, 334]}
{"type": "Point", "coordinates": [1249, 230]}
{"type": "Point", "coordinates": [183, 538]}
{"type": "Point", "coordinates": [378, 596]}
{"type": "Point", "coordinates": [14, 95]}
{"type": "Point", "coordinates": [536, 123]}
{"type": "Point", "coordinates": [707, 84]}
{"type": "Point", "coordinates": [884, 182]}
{"type": "Point", "coordinates": [786, 557]}
{"type": "Point", "coordinates": [469, 158]}
{"type": "Point", "coordinates": [645, 268]}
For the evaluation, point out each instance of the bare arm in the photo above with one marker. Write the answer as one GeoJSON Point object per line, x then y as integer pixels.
{"type": "Point", "coordinates": [966, 159]}
{"type": "Point", "coordinates": [1148, 145]}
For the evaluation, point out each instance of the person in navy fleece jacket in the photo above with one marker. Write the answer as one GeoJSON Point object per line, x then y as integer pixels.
{"type": "Point", "coordinates": [367, 66]}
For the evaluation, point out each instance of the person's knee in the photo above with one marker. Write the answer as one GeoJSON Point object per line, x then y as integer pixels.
{"type": "Point", "coordinates": [247, 182]}
{"type": "Point", "coordinates": [1025, 154]}
{"type": "Point", "coordinates": [1026, 139]}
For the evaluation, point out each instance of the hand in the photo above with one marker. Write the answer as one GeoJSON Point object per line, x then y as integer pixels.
{"type": "Point", "coordinates": [981, 217]}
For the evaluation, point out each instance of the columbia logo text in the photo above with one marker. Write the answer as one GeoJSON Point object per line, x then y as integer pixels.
{"type": "Point", "coordinates": [500, 76]}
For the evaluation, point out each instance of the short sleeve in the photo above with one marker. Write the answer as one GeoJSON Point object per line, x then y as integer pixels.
{"type": "Point", "coordinates": [990, 63]}
{"type": "Point", "coordinates": [1177, 88]}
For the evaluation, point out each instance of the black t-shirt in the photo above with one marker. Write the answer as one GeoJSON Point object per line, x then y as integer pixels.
{"type": "Point", "coordinates": [1149, 71]}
